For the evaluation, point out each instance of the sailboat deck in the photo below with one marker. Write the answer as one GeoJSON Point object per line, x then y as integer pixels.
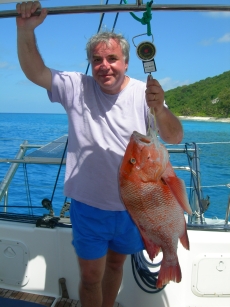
{"type": "Point", "coordinates": [42, 300]}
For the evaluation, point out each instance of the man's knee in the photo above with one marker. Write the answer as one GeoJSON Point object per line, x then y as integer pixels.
{"type": "Point", "coordinates": [90, 277]}
{"type": "Point", "coordinates": [115, 261]}
{"type": "Point", "coordinates": [91, 271]}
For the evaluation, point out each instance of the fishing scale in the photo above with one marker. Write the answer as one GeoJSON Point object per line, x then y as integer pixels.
{"type": "Point", "coordinates": [146, 51]}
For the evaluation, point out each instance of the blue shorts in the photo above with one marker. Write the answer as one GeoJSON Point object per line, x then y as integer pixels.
{"type": "Point", "coordinates": [96, 230]}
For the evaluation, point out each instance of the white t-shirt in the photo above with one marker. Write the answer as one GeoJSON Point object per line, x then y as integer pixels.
{"type": "Point", "coordinates": [100, 126]}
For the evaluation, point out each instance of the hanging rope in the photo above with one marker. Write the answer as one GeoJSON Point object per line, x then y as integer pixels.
{"type": "Point", "coordinates": [146, 18]}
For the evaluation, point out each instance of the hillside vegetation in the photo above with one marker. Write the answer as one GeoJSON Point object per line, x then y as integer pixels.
{"type": "Point", "coordinates": [209, 97]}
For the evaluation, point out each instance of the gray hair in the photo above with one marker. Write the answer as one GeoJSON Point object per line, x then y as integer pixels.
{"type": "Point", "coordinates": [105, 37]}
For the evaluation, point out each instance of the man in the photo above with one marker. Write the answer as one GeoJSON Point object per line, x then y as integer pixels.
{"type": "Point", "coordinates": [103, 111]}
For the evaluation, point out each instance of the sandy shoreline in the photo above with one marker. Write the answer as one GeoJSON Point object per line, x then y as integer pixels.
{"type": "Point", "coordinates": [208, 119]}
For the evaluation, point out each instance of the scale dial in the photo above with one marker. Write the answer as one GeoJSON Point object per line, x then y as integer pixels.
{"type": "Point", "coordinates": [146, 51]}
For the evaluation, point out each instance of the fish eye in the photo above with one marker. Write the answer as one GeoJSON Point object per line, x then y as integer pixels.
{"type": "Point", "coordinates": [132, 160]}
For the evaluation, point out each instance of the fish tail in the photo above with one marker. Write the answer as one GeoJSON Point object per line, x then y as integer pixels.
{"type": "Point", "coordinates": [168, 273]}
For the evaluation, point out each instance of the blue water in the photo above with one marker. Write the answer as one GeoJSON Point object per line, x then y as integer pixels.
{"type": "Point", "coordinates": [43, 128]}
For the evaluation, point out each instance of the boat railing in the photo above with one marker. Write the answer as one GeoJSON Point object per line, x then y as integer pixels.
{"type": "Point", "coordinates": [137, 6]}
{"type": "Point", "coordinates": [198, 203]}
{"type": "Point", "coordinates": [52, 153]}
{"type": "Point", "coordinates": [10, 174]}
{"type": "Point", "coordinates": [227, 212]}
{"type": "Point", "coordinates": [48, 154]}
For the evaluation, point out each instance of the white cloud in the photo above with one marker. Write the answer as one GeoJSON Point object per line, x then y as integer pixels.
{"type": "Point", "coordinates": [224, 39]}
{"type": "Point", "coordinates": [24, 82]}
{"type": "Point", "coordinates": [219, 14]}
{"type": "Point", "coordinates": [168, 84]}
{"type": "Point", "coordinates": [208, 41]}
{"type": "Point", "coordinates": [9, 1]}
{"type": "Point", "coordinates": [7, 66]}
{"type": "Point", "coordinates": [3, 65]}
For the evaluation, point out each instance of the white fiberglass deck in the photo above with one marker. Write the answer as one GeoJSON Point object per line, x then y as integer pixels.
{"type": "Point", "coordinates": [205, 268]}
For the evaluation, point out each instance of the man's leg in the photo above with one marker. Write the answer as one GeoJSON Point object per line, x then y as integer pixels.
{"type": "Point", "coordinates": [112, 277]}
{"type": "Point", "coordinates": [100, 280]}
{"type": "Point", "coordinates": [91, 274]}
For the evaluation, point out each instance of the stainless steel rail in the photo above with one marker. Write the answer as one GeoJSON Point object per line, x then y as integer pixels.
{"type": "Point", "coordinates": [24, 159]}
{"type": "Point", "coordinates": [121, 8]}
{"type": "Point", "coordinates": [11, 172]}
{"type": "Point", "coordinates": [227, 212]}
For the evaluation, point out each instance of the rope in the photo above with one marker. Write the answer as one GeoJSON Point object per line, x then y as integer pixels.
{"type": "Point", "coordinates": [140, 267]}
{"type": "Point", "coordinates": [146, 18]}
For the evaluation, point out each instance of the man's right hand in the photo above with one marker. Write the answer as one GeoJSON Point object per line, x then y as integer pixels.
{"type": "Point", "coordinates": [26, 9]}
{"type": "Point", "coordinates": [30, 59]}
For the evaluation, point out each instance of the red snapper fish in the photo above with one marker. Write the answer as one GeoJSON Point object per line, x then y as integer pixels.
{"type": "Point", "coordinates": [156, 200]}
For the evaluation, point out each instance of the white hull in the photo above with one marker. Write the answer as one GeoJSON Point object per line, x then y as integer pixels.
{"type": "Point", "coordinates": [205, 268]}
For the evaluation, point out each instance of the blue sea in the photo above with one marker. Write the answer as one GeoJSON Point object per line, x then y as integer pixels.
{"type": "Point", "coordinates": [33, 183]}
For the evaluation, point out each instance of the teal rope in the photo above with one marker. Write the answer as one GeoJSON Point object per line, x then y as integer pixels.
{"type": "Point", "coordinates": [146, 18]}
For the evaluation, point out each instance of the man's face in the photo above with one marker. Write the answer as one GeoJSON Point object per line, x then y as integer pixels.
{"type": "Point", "coordinates": [109, 67]}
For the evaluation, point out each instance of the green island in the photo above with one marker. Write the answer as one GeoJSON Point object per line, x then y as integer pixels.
{"type": "Point", "coordinates": [208, 97]}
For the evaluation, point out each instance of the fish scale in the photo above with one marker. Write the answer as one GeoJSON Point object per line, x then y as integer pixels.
{"type": "Point", "coordinates": [156, 199]}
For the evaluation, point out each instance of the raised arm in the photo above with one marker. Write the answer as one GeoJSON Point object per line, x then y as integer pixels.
{"type": "Point", "coordinates": [29, 57]}
{"type": "Point", "coordinates": [169, 126]}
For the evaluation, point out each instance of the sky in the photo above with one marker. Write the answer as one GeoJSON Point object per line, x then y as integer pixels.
{"type": "Point", "coordinates": [191, 46]}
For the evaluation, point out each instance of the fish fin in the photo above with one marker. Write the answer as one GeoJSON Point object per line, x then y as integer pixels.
{"type": "Point", "coordinates": [178, 189]}
{"type": "Point", "coordinates": [184, 238]}
{"type": "Point", "coordinates": [168, 273]}
{"type": "Point", "coordinates": [151, 248]}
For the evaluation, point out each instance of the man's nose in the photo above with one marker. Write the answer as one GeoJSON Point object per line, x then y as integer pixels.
{"type": "Point", "coordinates": [104, 64]}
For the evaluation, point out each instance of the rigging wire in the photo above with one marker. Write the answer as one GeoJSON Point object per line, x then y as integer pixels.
{"type": "Point", "coordinates": [98, 30]}
{"type": "Point", "coordinates": [100, 26]}
{"type": "Point", "coordinates": [195, 182]}
{"type": "Point", "coordinates": [61, 163]}
{"type": "Point", "coordinates": [30, 207]}
{"type": "Point", "coordinates": [115, 20]}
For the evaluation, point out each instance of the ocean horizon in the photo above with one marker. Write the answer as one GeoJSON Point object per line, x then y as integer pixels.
{"type": "Point", "coordinates": [212, 138]}
{"type": "Point", "coordinates": [182, 117]}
